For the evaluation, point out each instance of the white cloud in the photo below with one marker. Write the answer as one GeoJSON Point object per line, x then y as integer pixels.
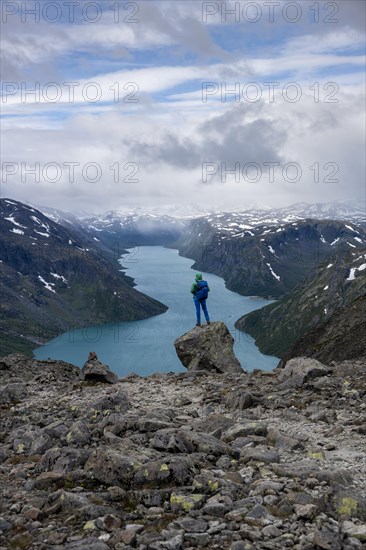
{"type": "Point", "coordinates": [170, 132]}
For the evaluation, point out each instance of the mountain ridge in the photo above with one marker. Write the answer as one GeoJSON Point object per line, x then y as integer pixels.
{"type": "Point", "coordinates": [351, 210]}
{"type": "Point", "coordinates": [52, 280]}
{"type": "Point", "coordinates": [335, 284]}
{"type": "Point", "coordinates": [267, 260]}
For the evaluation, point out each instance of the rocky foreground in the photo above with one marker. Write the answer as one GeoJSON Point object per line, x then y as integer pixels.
{"type": "Point", "coordinates": [194, 460]}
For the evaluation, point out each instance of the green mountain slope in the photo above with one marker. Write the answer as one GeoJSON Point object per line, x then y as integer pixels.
{"type": "Point", "coordinates": [342, 336]}
{"type": "Point", "coordinates": [52, 280]}
{"type": "Point", "coordinates": [336, 285]}
{"type": "Point", "coordinates": [267, 260]}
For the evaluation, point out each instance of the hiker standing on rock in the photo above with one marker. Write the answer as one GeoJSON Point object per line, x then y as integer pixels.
{"type": "Point", "coordinates": [200, 290]}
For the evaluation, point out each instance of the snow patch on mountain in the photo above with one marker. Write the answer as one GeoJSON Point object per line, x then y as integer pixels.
{"type": "Point", "coordinates": [57, 276]}
{"type": "Point", "coordinates": [273, 273]}
{"type": "Point", "coordinates": [353, 270]}
{"type": "Point", "coordinates": [47, 285]}
{"type": "Point", "coordinates": [12, 220]}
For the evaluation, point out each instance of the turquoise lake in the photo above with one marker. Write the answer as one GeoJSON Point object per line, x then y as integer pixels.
{"type": "Point", "coordinates": [147, 346]}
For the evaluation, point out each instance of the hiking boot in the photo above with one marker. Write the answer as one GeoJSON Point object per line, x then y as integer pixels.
{"type": "Point", "coordinates": [208, 322]}
{"type": "Point", "coordinates": [198, 325]}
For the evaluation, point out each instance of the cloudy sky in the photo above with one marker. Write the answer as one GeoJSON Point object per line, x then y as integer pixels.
{"type": "Point", "coordinates": [113, 104]}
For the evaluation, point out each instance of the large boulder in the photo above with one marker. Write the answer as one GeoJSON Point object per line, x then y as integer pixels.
{"type": "Point", "coordinates": [95, 371]}
{"type": "Point", "coordinates": [301, 370]}
{"type": "Point", "coordinates": [111, 467]}
{"type": "Point", "coordinates": [209, 347]}
{"type": "Point", "coordinates": [11, 393]}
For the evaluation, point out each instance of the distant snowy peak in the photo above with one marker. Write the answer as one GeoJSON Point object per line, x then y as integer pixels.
{"type": "Point", "coordinates": [238, 224]}
{"type": "Point", "coordinates": [250, 215]}
{"type": "Point", "coordinates": [233, 221]}
{"type": "Point", "coordinates": [338, 210]}
{"type": "Point", "coordinates": [116, 221]}
{"type": "Point", "coordinates": [23, 220]}
{"type": "Point", "coordinates": [59, 216]}
{"type": "Point", "coordinates": [171, 210]}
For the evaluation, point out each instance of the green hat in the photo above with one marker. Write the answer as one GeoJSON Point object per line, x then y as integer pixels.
{"type": "Point", "coordinates": [198, 276]}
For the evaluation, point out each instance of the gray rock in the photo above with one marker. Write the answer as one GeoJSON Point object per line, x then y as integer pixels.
{"type": "Point", "coordinates": [188, 442]}
{"type": "Point", "coordinates": [177, 472]}
{"type": "Point", "coordinates": [327, 540]}
{"type": "Point", "coordinates": [111, 467]}
{"type": "Point", "coordinates": [171, 472]}
{"type": "Point", "coordinates": [25, 369]}
{"type": "Point", "coordinates": [12, 392]}
{"type": "Point", "coordinates": [240, 398]}
{"type": "Point", "coordinates": [302, 469]}
{"type": "Point", "coordinates": [305, 469]}
{"type": "Point", "coordinates": [207, 482]}
{"type": "Point", "coordinates": [267, 487]}
{"type": "Point", "coordinates": [63, 460]}
{"type": "Point", "coordinates": [147, 539]}
{"type": "Point", "coordinates": [280, 440]}
{"type": "Point", "coordinates": [258, 511]}
{"type": "Point", "coordinates": [353, 530]}
{"type": "Point", "coordinates": [109, 522]}
{"type": "Point", "coordinates": [40, 444]}
{"type": "Point", "coordinates": [152, 425]}
{"type": "Point", "coordinates": [300, 370]}
{"type": "Point", "coordinates": [116, 402]}
{"type": "Point", "coordinates": [49, 480]}
{"type": "Point", "coordinates": [172, 441]}
{"type": "Point", "coordinates": [241, 545]}
{"type": "Point", "coordinates": [56, 429]}
{"type": "Point", "coordinates": [79, 434]}
{"type": "Point", "coordinates": [214, 423]}
{"type": "Point", "coordinates": [271, 532]}
{"type": "Point", "coordinates": [95, 371]}
{"type": "Point", "coordinates": [208, 348]}
{"type": "Point", "coordinates": [259, 454]}
{"type": "Point", "coordinates": [244, 429]}
{"type": "Point", "coordinates": [182, 401]}
{"type": "Point", "coordinates": [197, 539]}
{"type": "Point", "coordinates": [129, 534]}
{"type": "Point", "coordinates": [215, 509]}
{"type": "Point", "coordinates": [181, 501]}
{"type": "Point", "coordinates": [306, 511]}
{"type": "Point", "coordinates": [91, 543]}
{"type": "Point", "coordinates": [5, 525]}
{"type": "Point", "coordinates": [174, 543]}
{"type": "Point", "coordinates": [191, 525]}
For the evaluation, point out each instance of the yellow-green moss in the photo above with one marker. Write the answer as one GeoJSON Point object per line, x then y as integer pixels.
{"type": "Point", "coordinates": [319, 455]}
{"type": "Point", "coordinates": [347, 506]}
{"type": "Point", "coordinates": [186, 502]}
{"type": "Point", "coordinates": [213, 485]}
{"type": "Point", "coordinates": [21, 448]}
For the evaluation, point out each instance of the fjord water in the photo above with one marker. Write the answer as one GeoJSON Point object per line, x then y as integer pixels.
{"type": "Point", "coordinates": [147, 346]}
